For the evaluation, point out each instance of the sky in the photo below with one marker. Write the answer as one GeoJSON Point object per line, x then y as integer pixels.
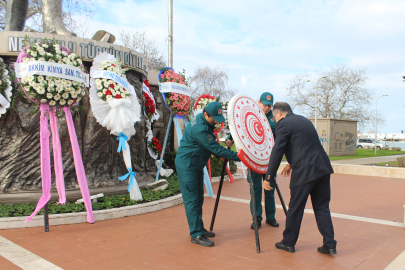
{"type": "Point", "coordinates": [264, 44]}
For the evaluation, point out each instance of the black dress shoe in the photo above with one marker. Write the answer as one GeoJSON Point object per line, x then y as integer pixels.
{"type": "Point", "coordinates": [202, 240]}
{"type": "Point", "coordinates": [281, 246]}
{"type": "Point", "coordinates": [209, 234]}
{"type": "Point", "coordinates": [272, 222]}
{"type": "Point", "coordinates": [325, 250]}
{"type": "Point", "coordinates": [259, 223]}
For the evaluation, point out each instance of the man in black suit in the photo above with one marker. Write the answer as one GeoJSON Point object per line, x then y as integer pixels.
{"type": "Point", "coordinates": [310, 170]}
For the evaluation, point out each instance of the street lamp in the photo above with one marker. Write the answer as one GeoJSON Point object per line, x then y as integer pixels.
{"type": "Point", "coordinates": [316, 101]}
{"type": "Point", "coordinates": [375, 139]}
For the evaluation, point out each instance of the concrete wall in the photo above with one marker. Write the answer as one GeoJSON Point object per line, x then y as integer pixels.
{"type": "Point", "coordinates": [338, 137]}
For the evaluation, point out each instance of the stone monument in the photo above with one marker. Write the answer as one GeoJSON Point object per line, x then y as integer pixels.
{"type": "Point", "coordinates": [20, 175]}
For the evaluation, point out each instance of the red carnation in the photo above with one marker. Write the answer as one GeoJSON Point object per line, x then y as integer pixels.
{"type": "Point", "coordinates": [108, 93]}
{"type": "Point", "coordinates": [117, 96]}
{"type": "Point", "coordinates": [112, 85]}
{"type": "Point", "coordinates": [113, 65]}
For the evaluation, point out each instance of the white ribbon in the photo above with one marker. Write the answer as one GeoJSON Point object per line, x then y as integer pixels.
{"type": "Point", "coordinates": [105, 74]}
{"type": "Point", "coordinates": [4, 102]}
{"type": "Point", "coordinates": [45, 68]}
{"type": "Point", "coordinates": [171, 87]}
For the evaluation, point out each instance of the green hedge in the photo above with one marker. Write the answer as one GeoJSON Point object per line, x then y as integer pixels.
{"type": "Point", "coordinates": [106, 202]}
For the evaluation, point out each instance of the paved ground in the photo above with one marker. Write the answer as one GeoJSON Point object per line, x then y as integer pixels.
{"type": "Point", "coordinates": [160, 240]}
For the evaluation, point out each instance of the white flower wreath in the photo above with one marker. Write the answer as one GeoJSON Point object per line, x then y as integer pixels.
{"type": "Point", "coordinates": [5, 88]}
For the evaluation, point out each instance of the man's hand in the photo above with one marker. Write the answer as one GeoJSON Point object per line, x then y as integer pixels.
{"type": "Point", "coordinates": [286, 171]}
{"type": "Point", "coordinates": [228, 143]}
{"type": "Point", "coordinates": [266, 185]}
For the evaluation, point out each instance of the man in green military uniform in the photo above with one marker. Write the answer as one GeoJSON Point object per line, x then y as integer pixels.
{"type": "Point", "coordinates": [196, 146]}
{"type": "Point", "coordinates": [265, 103]}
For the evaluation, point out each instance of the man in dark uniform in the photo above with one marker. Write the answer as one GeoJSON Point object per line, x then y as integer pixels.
{"type": "Point", "coordinates": [310, 170]}
{"type": "Point", "coordinates": [196, 146]}
{"type": "Point", "coordinates": [265, 103]}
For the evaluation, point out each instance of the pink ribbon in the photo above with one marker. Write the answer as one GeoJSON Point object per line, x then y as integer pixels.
{"type": "Point", "coordinates": [57, 158]}
{"type": "Point", "coordinates": [80, 173]}
{"type": "Point", "coordinates": [45, 160]}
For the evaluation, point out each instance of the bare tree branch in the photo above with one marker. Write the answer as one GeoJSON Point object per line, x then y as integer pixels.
{"type": "Point", "coordinates": [210, 81]}
{"type": "Point", "coordinates": [138, 41]}
{"type": "Point", "coordinates": [341, 95]}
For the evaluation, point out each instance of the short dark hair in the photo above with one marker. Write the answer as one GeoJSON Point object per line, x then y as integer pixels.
{"type": "Point", "coordinates": [283, 107]}
{"type": "Point", "coordinates": [204, 111]}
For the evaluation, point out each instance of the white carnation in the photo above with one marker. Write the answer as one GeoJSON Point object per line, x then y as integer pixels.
{"type": "Point", "coordinates": [65, 95]}
{"type": "Point", "coordinates": [99, 86]}
{"type": "Point", "coordinates": [62, 102]}
{"type": "Point", "coordinates": [100, 94]}
{"type": "Point", "coordinates": [109, 97]}
{"type": "Point", "coordinates": [43, 100]}
{"type": "Point", "coordinates": [49, 95]}
{"type": "Point", "coordinates": [25, 60]}
{"type": "Point", "coordinates": [70, 102]}
{"type": "Point", "coordinates": [98, 81]}
{"type": "Point", "coordinates": [56, 97]}
{"type": "Point", "coordinates": [52, 103]}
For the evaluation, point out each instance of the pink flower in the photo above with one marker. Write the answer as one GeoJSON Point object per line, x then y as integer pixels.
{"type": "Point", "coordinates": [161, 75]}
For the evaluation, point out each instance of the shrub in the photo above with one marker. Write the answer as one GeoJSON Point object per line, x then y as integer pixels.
{"type": "Point", "coordinates": [169, 160]}
{"type": "Point", "coordinates": [217, 164]}
{"type": "Point", "coordinates": [385, 148]}
{"type": "Point", "coordinates": [401, 161]}
{"type": "Point", "coordinates": [395, 148]}
{"type": "Point", "coordinates": [106, 202]}
{"type": "Point", "coordinates": [366, 147]}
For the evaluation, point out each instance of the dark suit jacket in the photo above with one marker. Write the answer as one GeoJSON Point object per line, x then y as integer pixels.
{"type": "Point", "coordinates": [297, 138]}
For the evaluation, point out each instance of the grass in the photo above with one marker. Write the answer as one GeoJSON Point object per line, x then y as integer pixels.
{"type": "Point", "coordinates": [363, 153]}
{"type": "Point", "coordinates": [360, 153]}
{"type": "Point", "coordinates": [390, 164]}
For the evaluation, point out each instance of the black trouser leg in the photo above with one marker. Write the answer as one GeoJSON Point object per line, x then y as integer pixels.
{"type": "Point", "coordinates": [320, 196]}
{"type": "Point", "coordinates": [296, 207]}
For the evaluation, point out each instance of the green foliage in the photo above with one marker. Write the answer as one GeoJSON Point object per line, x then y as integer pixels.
{"type": "Point", "coordinates": [362, 153]}
{"type": "Point", "coordinates": [106, 202]}
{"type": "Point", "coordinates": [169, 160]}
{"type": "Point", "coordinates": [217, 165]}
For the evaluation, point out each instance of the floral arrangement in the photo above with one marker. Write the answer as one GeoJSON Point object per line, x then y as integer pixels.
{"type": "Point", "coordinates": [225, 105]}
{"type": "Point", "coordinates": [150, 107]}
{"type": "Point", "coordinates": [109, 89]}
{"type": "Point", "coordinates": [168, 75]}
{"type": "Point", "coordinates": [5, 88]}
{"type": "Point", "coordinates": [178, 104]}
{"type": "Point", "coordinates": [156, 145]}
{"type": "Point", "coordinates": [52, 90]}
{"type": "Point", "coordinates": [203, 101]}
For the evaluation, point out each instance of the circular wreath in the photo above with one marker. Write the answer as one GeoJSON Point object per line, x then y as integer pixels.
{"type": "Point", "coordinates": [200, 104]}
{"type": "Point", "coordinates": [5, 87]}
{"type": "Point", "coordinates": [177, 103]}
{"type": "Point", "coordinates": [150, 104]}
{"type": "Point", "coordinates": [57, 92]}
{"type": "Point", "coordinates": [119, 110]}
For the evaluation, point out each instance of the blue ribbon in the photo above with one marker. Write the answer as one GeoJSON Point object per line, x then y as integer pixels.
{"type": "Point", "coordinates": [122, 139]}
{"type": "Point", "coordinates": [131, 180]}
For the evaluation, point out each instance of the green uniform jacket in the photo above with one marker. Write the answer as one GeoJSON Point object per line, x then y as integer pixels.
{"type": "Point", "coordinates": [197, 145]}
